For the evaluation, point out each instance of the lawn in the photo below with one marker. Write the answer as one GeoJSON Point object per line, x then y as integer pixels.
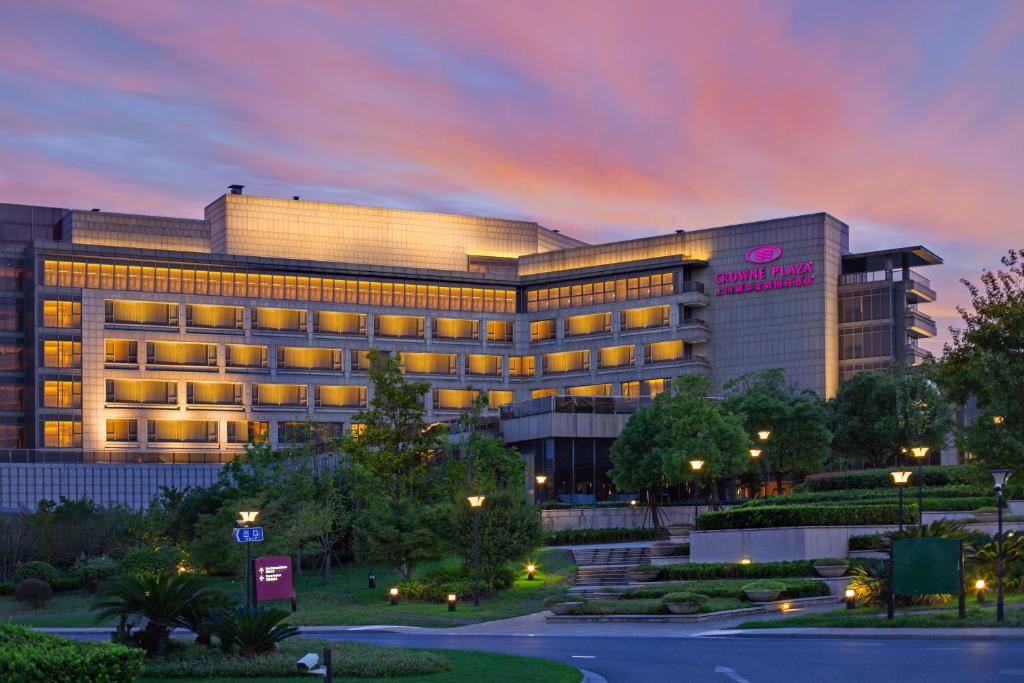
{"type": "Point", "coordinates": [347, 600]}
{"type": "Point", "coordinates": [923, 617]}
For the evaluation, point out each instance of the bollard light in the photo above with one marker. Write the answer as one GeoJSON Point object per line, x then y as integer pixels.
{"type": "Point", "coordinates": [632, 503]}
{"type": "Point", "coordinates": [394, 596]}
{"type": "Point", "coordinates": [979, 587]}
{"type": "Point", "coordinates": [851, 598]}
{"type": "Point", "coordinates": [745, 560]}
{"type": "Point", "coordinates": [530, 569]}
{"type": "Point", "coordinates": [452, 600]}
{"type": "Point", "coordinates": [371, 581]}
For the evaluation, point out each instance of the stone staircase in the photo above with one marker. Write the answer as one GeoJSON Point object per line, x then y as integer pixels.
{"type": "Point", "coordinates": [606, 566]}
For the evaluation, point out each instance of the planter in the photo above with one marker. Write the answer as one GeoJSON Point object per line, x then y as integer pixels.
{"type": "Point", "coordinates": [763, 595]}
{"type": "Point", "coordinates": [663, 549]}
{"type": "Point", "coordinates": [683, 607]}
{"type": "Point", "coordinates": [679, 529]}
{"type": "Point", "coordinates": [831, 571]}
{"type": "Point", "coordinates": [563, 608]}
{"type": "Point", "coordinates": [643, 576]}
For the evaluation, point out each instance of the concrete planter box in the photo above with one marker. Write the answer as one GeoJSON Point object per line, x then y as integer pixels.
{"type": "Point", "coordinates": [673, 559]}
{"type": "Point", "coordinates": [662, 549]}
{"type": "Point", "coordinates": [776, 544]}
{"type": "Point", "coordinates": [683, 607]}
{"type": "Point", "coordinates": [762, 596]}
{"type": "Point", "coordinates": [831, 571]}
{"type": "Point", "coordinates": [679, 529]}
{"type": "Point", "coordinates": [616, 517]}
{"type": "Point", "coordinates": [643, 577]}
{"type": "Point", "coordinates": [986, 517]}
{"type": "Point", "coordinates": [563, 608]}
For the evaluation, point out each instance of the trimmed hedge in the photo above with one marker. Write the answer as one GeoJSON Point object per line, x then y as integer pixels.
{"type": "Point", "coordinates": [29, 657]}
{"type": "Point", "coordinates": [881, 495]}
{"type": "Point", "coordinates": [855, 498]}
{"type": "Point", "coordinates": [725, 570]}
{"type": "Point", "coordinates": [726, 588]}
{"type": "Point", "coordinates": [434, 586]}
{"type": "Point", "coordinates": [880, 478]}
{"type": "Point", "coordinates": [584, 536]}
{"type": "Point", "coordinates": [805, 515]}
{"type": "Point", "coordinates": [867, 542]}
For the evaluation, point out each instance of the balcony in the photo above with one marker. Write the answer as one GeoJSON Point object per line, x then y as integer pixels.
{"type": "Point", "coordinates": [916, 355]}
{"type": "Point", "coordinates": [918, 288]}
{"type": "Point", "coordinates": [693, 331]}
{"type": "Point", "coordinates": [919, 325]}
{"type": "Point", "coordinates": [692, 294]}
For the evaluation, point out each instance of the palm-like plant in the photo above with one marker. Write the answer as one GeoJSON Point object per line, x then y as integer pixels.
{"type": "Point", "coordinates": [987, 554]}
{"type": "Point", "coordinates": [252, 631]}
{"type": "Point", "coordinates": [165, 601]}
{"type": "Point", "coordinates": [942, 528]}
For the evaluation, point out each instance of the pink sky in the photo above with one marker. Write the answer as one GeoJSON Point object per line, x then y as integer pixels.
{"type": "Point", "coordinates": [606, 120]}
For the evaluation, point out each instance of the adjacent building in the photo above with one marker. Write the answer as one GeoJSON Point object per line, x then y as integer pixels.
{"type": "Point", "coordinates": [174, 342]}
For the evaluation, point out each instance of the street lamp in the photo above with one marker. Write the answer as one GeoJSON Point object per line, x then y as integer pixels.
{"type": "Point", "coordinates": [900, 480]}
{"type": "Point", "coordinates": [248, 518]}
{"type": "Point", "coordinates": [919, 454]}
{"type": "Point", "coordinates": [541, 479]}
{"type": "Point", "coordinates": [999, 476]}
{"type": "Point", "coordinates": [763, 436]}
{"type": "Point", "coordinates": [997, 419]}
{"type": "Point", "coordinates": [695, 465]}
{"type": "Point", "coordinates": [755, 453]}
{"type": "Point", "coordinates": [477, 503]}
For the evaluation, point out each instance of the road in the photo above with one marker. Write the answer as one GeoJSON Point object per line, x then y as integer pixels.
{"type": "Point", "coordinates": [747, 659]}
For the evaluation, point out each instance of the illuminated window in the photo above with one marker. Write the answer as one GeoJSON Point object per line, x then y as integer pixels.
{"type": "Point", "coordinates": [146, 313]}
{"type": "Point", "coordinates": [121, 352]}
{"type": "Point", "coordinates": [479, 364]}
{"type": "Point", "coordinates": [142, 392]}
{"type": "Point", "coordinates": [360, 361]}
{"type": "Point", "coordinates": [62, 394]}
{"type": "Point", "coordinates": [278, 320]}
{"type": "Point", "coordinates": [335, 322]}
{"type": "Point", "coordinates": [278, 395]}
{"type": "Point", "coordinates": [399, 326]}
{"type": "Point", "coordinates": [499, 330]}
{"type": "Point", "coordinates": [590, 390]}
{"type": "Point", "coordinates": [64, 314]}
{"type": "Point", "coordinates": [122, 430]}
{"type": "Point", "coordinates": [240, 431]}
{"type": "Point", "coordinates": [522, 366]}
{"type": "Point", "coordinates": [330, 396]}
{"type": "Point", "coordinates": [456, 328]}
{"type": "Point", "coordinates": [645, 318]}
{"type": "Point", "coordinates": [181, 431]}
{"type": "Point", "coordinates": [62, 434]}
{"type": "Point", "coordinates": [616, 356]}
{"type": "Point", "coordinates": [62, 354]}
{"type": "Point", "coordinates": [565, 361]}
{"type": "Point", "coordinates": [428, 363]}
{"type": "Point", "coordinates": [497, 398]}
{"type": "Point", "coordinates": [304, 358]}
{"type": "Point", "coordinates": [205, 316]}
{"type": "Point", "coordinates": [178, 354]}
{"type": "Point", "coordinates": [664, 352]}
{"type": "Point", "coordinates": [650, 388]}
{"type": "Point", "coordinates": [541, 393]}
{"type": "Point", "coordinates": [454, 399]}
{"type": "Point", "coordinates": [245, 356]}
{"type": "Point", "coordinates": [213, 394]}
{"type": "Point", "coordinates": [656, 386]}
{"type": "Point", "coordinates": [595, 323]}
{"type": "Point", "coordinates": [596, 293]}
{"type": "Point", "coordinates": [542, 330]}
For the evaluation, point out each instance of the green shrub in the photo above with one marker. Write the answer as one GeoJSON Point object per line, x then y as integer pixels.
{"type": "Point", "coordinates": [726, 588]}
{"type": "Point", "coordinates": [92, 571]}
{"type": "Point", "coordinates": [764, 585]}
{"type": "Point", "coordinates": [33, 591]}
{"type": "Point", "coordinates": [729, 570]}
{"type": "Point", "coordinates": [44, 571]}
{"type": "Point", "coordinates": [145, 561]}
{"type": "Point", "coordinates": [684, 596]}
{"type": "Point", "coordinates": [584, 536]}
{"type": "Point", "coordinates": [435, 585]}
{"type": "Point", "coordinates": [604, 607]}
{"type": "Point", "coordinates": [681, 550]}
{"type": "Point", "coordinates": [30, 657]}
{"type": "Point", "coordinates": [252, 630]}
{"type": "Point", "coordinates": [805, 515]}
{"type": "Point", "coordinates": [969, 475]}
{"type": "Point", "coordinates": [858, 496]}
{"type": "Point", "coordinates": [867, 542]}
{"type": "Point", "coordinates": [6, 588]}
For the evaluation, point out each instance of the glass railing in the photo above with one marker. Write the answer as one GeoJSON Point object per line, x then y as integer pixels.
{"type": "Point", "coordinates": [691, 286]}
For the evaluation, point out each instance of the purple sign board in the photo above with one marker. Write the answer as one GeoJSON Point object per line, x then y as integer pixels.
{"type": "Point", "coordinates": [274, 578]}
{"type": "Point", "coordinates": [763, 277]}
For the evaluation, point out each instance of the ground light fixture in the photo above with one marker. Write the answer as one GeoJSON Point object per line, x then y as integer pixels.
{"type": "Point", "coordinates": [530, 569]}
{"type": "Point", "coordinates": [920, 453]}
{"type": "Point", "coordinates": [979, 587]}
{"type": "Point", "coordinates": [393, 596]}
{"type": "Point", "coordinates": [476, 503]}
{"type": "Point", "coordinates": [999, 477]}
{"type": "Point", "coordinates": [900, 479]}
{"type": "Point", "coordinates": [745, 560]}
{"type": "Point", "coordinates": [452, 600]}
{"type": "Point", "coordinates": [851, 598]}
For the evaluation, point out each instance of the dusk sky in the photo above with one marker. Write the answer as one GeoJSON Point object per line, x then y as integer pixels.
{"type": "Point", "coordinates": [607, 120]}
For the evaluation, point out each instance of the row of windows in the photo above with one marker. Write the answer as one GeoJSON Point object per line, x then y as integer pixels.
{"type": "Point", "coordinates": [634, 389]}
{"type": "Point", "coordinates": [857, 307]}
{"type": "Point", "coordinates": [90, 275]}
{"type": "Point", "coordinates": [609, 291]}
{"type": "Point", "coordinates": [632, 319]}
{"type": "Point", "coordinates": [866, 341]}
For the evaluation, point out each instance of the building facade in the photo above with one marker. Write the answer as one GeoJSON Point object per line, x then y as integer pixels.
{"type": "Point", "coordinates": [141, 339]}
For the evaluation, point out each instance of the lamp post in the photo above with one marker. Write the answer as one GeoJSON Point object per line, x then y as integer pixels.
{"type": "Point", "coordinates": [900, 480]}
{"type": "Point", "coordinates": [919, 454]}
{"type": "Point", "coordinates": [763, 436]}
{"type": "Point", "coordinates": [695, 466]}
{"type": "Point", "coordinates": [999, 476]}
{"type": "Point", "coordinates": [477, 503]}
{"type": "Point", "coordinates": [248, 518]}
{"type": "Point", "coordinates": [541, 479]}
{"type": "Point", "coordinates": [755, 453]}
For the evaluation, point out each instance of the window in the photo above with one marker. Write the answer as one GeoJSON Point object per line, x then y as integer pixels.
{"type": "Point", "coordinates": [11, 277]}
{"type": "Point", "coordinates": [454, 399]}
{"type": "Point", "coordinates": [335, 322]}
{"type": "Point", "coordinates": [179, 354]}
{"type": "Point", "coordinates": [140, 313]}
{"type": "Point", "coordinates": [522, 366]}
{"type": "Point", "coordinates": [213, 394]}
{"type": "Point", "coordinates": [499, 330]}
{"type": "Point", "coordinates": [303, 358]}
{"type": "Point", "coordinates": [360, 361]}
{"type": "Point", "coordinates": [278, 320]}
{"type": "Point", "coordinates": [62, 434]}
{"type": "Point", "coordinates": [428, 363]}
{"type": "Point", "coordinates": [278, 395]}
{"type": "Point", "coordinates": [398, 326]}
{"type": "Point", "coordinates": [565, 361]}
{"type": "Point", "coordinates": [142, 392]}
{"type": "Point", "coordinates": [865, 341]}
{"type": "Point", "coordinates": [203, 316]}
{"type": "Point", "coordinates": [497, 398]}
{"type": "Point", "coordinates": [240, 431]}
{"type": "Point", "coordinates": [11, 317]}
{"type": "Point", "coordinates": [12, 396]}
{"type": "Point", "coordinates": [12, 435]}
{"type": "Point", "coordinates": [590, 390]}
{"type": "Point", "coordinates": [181, 431]}
{"type": "Point", "coordinates": [480, 364]}
{"type": "Point", "coordinates": [12, 357]}
{"type": "Point", "coordinates": [122, 430]}
{"type": "Point", "coordinates": [644, 318]}
{"type": "Point", "coordinates": [330, 396]}
{"type": "Point", "coordinates": [664, 352]}
{"type": "Point", "coordinates": [309, 432]}
{"type": "Point", "coordinates": [604, 292]}
{"type": "Point", "coordinates": [63, 314]}
{"type": "Point", "coordinates": [541, 393]}
{"type": "Point", "coordinates": [858, 306]}
{"type": "Point", "coordinates": [62, 354]}
{"type": "Point", "coordinates": [649, 388]}
{"type": "Point", "coordinates": [616, 356]}
{"type": "Point", "coordinates": [581, 325]}
{"type": "Point", "coordinates": [456, 328]}
{"type": "Point", "coordinates": [121, 352]}
{"type": "Point", "coordinates": [245, 356]}
{"type": "Point", "coordinates": [62, 394]}
{"type": "Point", "coordinates": [542, 330]}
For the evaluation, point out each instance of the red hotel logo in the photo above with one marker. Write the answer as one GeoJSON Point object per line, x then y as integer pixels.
{"type": "Point", "coordinates": [766, 253]}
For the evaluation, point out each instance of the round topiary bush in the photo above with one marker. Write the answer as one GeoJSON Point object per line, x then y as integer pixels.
{"type": "Point", "coordinates": [35, 592]}
{"type": "Point", "coordinates": [92, 571]}
{"type": "Point", "coordinates": [44, 571]}
{"type": "Point", "coordinates": [683, 602]}
{"type": "Point", "coordinates": [145, 561]}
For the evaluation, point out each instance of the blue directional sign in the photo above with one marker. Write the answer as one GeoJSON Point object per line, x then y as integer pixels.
{"type": "Point", "coordinates": [249, 534]}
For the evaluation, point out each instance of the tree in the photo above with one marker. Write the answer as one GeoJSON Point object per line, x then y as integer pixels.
{"type": "Point", "coordinates": [510, 530]}
{"type": "Point", "coordinates": [798, 422]}
{"type": "Point", "coordinates": [326, 518]}
{"type": "Point", "coordinates": [400, 533]}
{"type": "Point", "coordinates": [985, 361]}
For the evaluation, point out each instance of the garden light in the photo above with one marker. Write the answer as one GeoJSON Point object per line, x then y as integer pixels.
{"type": "Point", "coordinates": [979, 587]}
{"type": "Point", "coordinates": [920, 452]}
{"type": "Point", "coordinates": [900, 480]}
{"type": "Point", "coordinates": [530, 569]}
{"type": "Point", "coordinates": [452, 600]}
{"type": "Point", "coordinates": [394, 596]}
{"type": "Point", "coordinates": [745, 560]}
{"type": "Point", "coordinates": [371, 580]}
{"type": "Point", "coordinates": [851, 598]}
{"type": "Point", "coordinates": [247, 517]}
{"type": "Point", "coordinates": [997, 419]}
{"type": "Point", "coordinates": [763, 434]}
{"type": "Point", "coordinates": [784, 606]}
{"type": "Point", "coordinates": [695, 465]}
{"type": "Point", "coordinates": [476, 501]}
{"type": "Point", "coordinates": [632, 503]}
{"type": "Point", "coordinates": [755, 452]}
{"type": "Point", "coordinates": [541, 479]}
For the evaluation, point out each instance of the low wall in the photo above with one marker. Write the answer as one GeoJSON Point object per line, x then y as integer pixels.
{"type": "Point", "coordinates": [615, 517]}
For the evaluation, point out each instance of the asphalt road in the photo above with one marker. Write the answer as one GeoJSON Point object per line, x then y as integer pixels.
{"type": "Point", "coordinates": [747, 659]}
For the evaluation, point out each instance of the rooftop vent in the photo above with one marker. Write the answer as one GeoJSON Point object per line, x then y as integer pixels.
{"type": "Point", "coordinates": [236, 189]}
{"type": "Point", "coordinates": [95, 210]}
{"type": "Point", "coordinates": [295, 197]}
{"type": "Point", "coordinates": [555, 231]}
{"type": "Point", "coordinates": [680, 231]}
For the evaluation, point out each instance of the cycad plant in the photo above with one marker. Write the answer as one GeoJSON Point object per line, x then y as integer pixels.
{"type": "Point", "coordinates": [252, 631]}
{"type": "Point", "coordinates": [164, 601]}
{"type": "Point", "coordinates": [941, 528]}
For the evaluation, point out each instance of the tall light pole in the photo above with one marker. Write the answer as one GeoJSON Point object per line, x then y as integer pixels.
{"type": "Point", "coordinates": [755, 453]}
{"type": "Point", "coordinates": [541, 479]}
{"type": "Point", "coordinates": [920, 452]}
{"type": "Point", "coordinates": [763, 436]}
{"type": "Point", "coordinates": [248, 518]}
{"type": "Point", "coordinates": [477, 503]}
{"type": "Point", "coordinates": [999, 476]}
{"type": "Point", "coordinates": [695, 466]}
{"type": "Point", "coordinates": [900, 480]}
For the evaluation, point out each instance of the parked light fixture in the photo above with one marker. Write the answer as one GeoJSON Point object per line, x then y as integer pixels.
{"type": "Point", "coordinates": [247, 517]}
{"type": "Point", "coordinates": [393, 596]}
{"type": "Point", "coordinates": [999, 477]}
{"type": "Point", "coordinates": [997, 419]}
{"type": "Point", "coordinates": [979, 588]}
{"type": "Point", "coordinates": [920, 452]}
{"type": "Point", "coordinates": [851, 598]}
{"type": "Point", "coordinates": [541, 479]}
{"type": "Point", "coordinates": [530, 569]}
{"type": "Point", "coordinates": [745, 560]}
{"type": "Point", "coordinates": [696, 465]}
{"type": "Point", "coordinates": [452, 600]}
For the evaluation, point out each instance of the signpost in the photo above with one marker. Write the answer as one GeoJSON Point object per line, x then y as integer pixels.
{"type": "Point", "coordinates": [248, 535]}
{"type": "Point", "coordinates": [926, 566]}
{"type": "Point", "coordinates": [274, 579]}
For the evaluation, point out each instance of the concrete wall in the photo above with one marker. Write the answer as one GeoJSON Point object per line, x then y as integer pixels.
{"type": "Point", "coordinates": [615, 517]}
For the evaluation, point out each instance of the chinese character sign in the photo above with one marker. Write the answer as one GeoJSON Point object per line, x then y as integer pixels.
{"type": "Point", "coordinates": [274, 578]}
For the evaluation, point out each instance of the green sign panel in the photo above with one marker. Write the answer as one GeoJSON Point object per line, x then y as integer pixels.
{"type": "Point", "coordinates": [924, 566]}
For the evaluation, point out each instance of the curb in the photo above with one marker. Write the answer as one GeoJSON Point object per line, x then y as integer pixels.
{"type": "Point", "coordinates": [869, 634]}
{"type": "Point", "coordinates": [591, 677]}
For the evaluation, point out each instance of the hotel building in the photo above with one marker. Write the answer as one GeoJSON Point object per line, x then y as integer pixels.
{"type": "Point", "coordinates": [144, 340]}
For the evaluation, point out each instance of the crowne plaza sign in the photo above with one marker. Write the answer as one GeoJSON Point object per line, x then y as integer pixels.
{"type": "Point", "coordinates": [765, 273]}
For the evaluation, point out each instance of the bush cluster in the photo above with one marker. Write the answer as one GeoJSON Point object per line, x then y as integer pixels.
{"type": "Point", "coordinates": [582, 536]}
{"type": "Point", "coordinates": [726, 570]}
{"type": "Point", "coordinates": [880, 478]}
{"type": "Point", "coordinates": [880, 495]}
{"type": "Point", "coordinates": [33, 591]}
{"type": "Point", "coordinates": [44, 571]}
{"type": "Point", "coordinates": [92, 571]}
{"type": "Point", "coordinates": [436, 585]}
{"type": "Point", "coordinates": [684, 596]}
{"type": "Point", "coordinates": [868, 542]}
{"type": "Point", "coordinates": [30, 657]}
{"type": "Point", "coordinates": [792, 588]}
{"type": "Point", "coordinates": [805, 515]}
{"type": "Point", "coordinates": [145, 561]}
